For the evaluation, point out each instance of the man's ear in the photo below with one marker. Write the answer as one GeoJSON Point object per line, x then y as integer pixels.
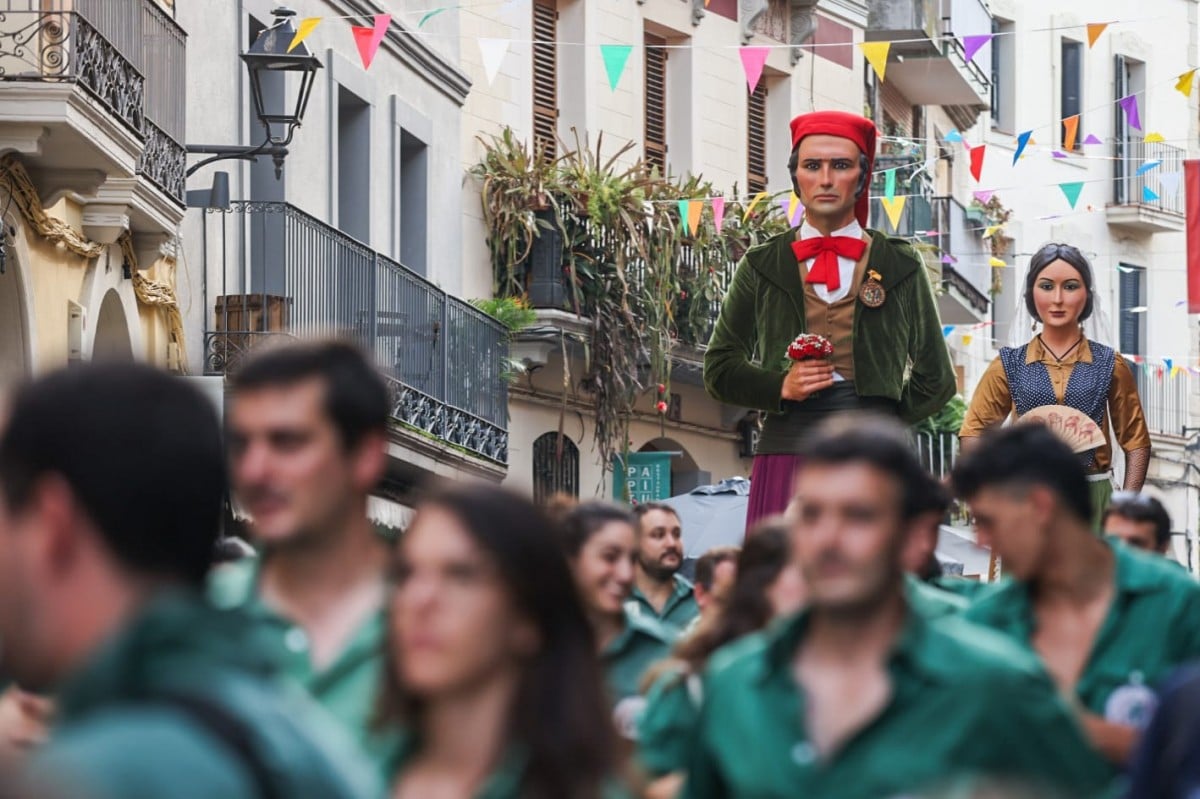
{"type": "Point", "coordinates": [58, 519]}
{"type": "Point", "coordinates": [1043, 503]}
{"type": "Point", "coordinates": [370, 460]}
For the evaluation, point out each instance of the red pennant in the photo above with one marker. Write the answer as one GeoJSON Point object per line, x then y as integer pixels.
{"type": "Point", "coordinates": [977, 161]}
{"type": "Point", "coordinates": [368, 39]}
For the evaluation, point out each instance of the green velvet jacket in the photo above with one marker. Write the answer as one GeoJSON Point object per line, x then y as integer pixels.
{"type": "Point", "coordinates": [899, 350]}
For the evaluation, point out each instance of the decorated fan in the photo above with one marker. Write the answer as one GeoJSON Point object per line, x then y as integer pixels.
{"type": "Point", "coordinates": [1074, 427]}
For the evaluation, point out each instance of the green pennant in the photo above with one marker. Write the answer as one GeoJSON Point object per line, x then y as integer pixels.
{"type": "Point", "coordinates": [615, 56]}
{"type": "Point", "coordinates": [889, 186]}
{"type": "Point", "coordinates": [431, 15]}
{"type": "Point", "coordinates": [1071, 191]}
{"type": "Point", "coordinates": [683, 216]}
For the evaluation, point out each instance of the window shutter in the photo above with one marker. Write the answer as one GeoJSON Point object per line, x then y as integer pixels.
{"type": "Point", "coordinates": [1130, 297]}
{"type": "Point", "coordinates": [545, 76]}
{"type": "Point", "coordinates": [1070, 98]}
{"type": "Point", "coordinates": [656, 102]}
{"type": "Point", "coordinates": [756, 140]}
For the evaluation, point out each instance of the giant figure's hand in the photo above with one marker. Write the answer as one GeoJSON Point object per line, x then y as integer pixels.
{"type": "Point", "coordinates": [806, 378]}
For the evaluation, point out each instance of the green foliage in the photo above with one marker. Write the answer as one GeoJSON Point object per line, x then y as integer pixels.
{"type": "Point", "coordinates": [512, 312]}
{"type": "Point", "coordinates": [948, 420]}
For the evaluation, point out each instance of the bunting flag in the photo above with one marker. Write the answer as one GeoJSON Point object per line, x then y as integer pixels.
{"type": "Point", "coordinates": [949, 259]}
{"type": "Point", "coordinates": [762, 195]}
{"type": "Point", "coordinates": [1071, 191]}
{"type": "Point", "coordinates": [1022, 140]}
{"type": "Point", "coordinates": [718, 206]}
{"type": "Point", "coordinates": [369, 39]}
{"type": "Point", "coordinates": [1092, 138]}
{"type": "Point", "coordinates": [615, 58]}
{"type": "Point", "coordinates": [954, 135]}
{"type": "Point", "coordinates": [877, 55]}
{"type": "Point", "coordinates": [792, 209]}
{"type": "Point", "coordinates": [683, 216]}
{"type": "Point", "coordinates": [947, 330]}
{"type": "Point", "coordinates": [1130, 106]}
{"type": "Point", "coordinates": [430, 15]}
{"type": "Point", "coordinates": [1070, 130]}
{"type": "Point", "coordinates": [307, 26]}
{"type": "Point", "coordinates": [1169, 182]}
{"type": "Point", "coordinates": [753, 60]}
{"type": "Point", "coordinates": [1146, 167]}
{"type": "Point", "coordinates": [893, 207]}
{"type": "Point", "coordinates": [983, 196]}
{"type": "Point", "coordinates": [977, 161]}
{"type": "Point", "coordinates": [1191, 190]}
{"type": "Point", "coordinates": [1175, 370]}
{"type": "Point", "coordinates": [967, 338]}
{"type": "Point", "coordinates": [996, 263]}
{"type": "Point", "coordinates": [1094, 29]}
{"type": "Point", "coordinates": [492, 51]}
{"type": "Point", "coordinates": [1184, 84]}
{"type": "Point", "coordinates": [694, 209]}
{"type": "Point", "coordinates": [889, 183]}
{"type": "Point", "coordinates": [1148, 195]}
{"type": "Point", "coordinates": [990, 231]}
{"type": "Point", "coordinates": [1058, 154]}
{"type": "Point", "coordinates": [972, 44]}
{"type": "Point", "coordinates": [1154, 138]}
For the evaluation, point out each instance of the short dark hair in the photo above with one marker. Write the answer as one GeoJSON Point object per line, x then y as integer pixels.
{"type": "Point", "coordinates": [879, 442]}
{"type": "Point", "coordinates": [1141, 508]}
{"type": "Point", "coordinates": [141, 452]}
{"type": "Point", "coordinates": [706, 564]}
{"type": "Point", "coordinates": [1047, 255]}
{"type": "Point", "coordinates": [585, 520]}
{"type": "Point", "coordinates": [642, 508]}
{"type": "Point", "coordinates": [356, 397]}
{"type": "Point", "coordinates": [1023, 456]}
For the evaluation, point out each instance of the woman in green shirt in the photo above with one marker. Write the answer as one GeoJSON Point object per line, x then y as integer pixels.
{"type": "Point", "coordinates": [492, 671]}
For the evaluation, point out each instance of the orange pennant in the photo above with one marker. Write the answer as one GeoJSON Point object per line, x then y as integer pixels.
{"type": "Point", "coordinates": [694, 209]}
{"type": "Point", "coordinates": [1070, 131]}
{"type": "Point", "coordinates": [1094, 30]}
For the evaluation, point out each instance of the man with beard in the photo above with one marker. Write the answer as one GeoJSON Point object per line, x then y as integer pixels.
{"type": "Point", "coordinates": [859, 696]}
{"type": "Point", "coordinates": [658, 588]}
{"type": "Point", "coordinates": [307, 430]}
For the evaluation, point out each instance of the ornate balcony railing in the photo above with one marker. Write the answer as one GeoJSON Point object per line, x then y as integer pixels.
{"type": "Point", "coordinates": [1164, 398]}
{"type": "Point", "coordinates": [1130, 187]}
{"type": "Point", "coordinates": [445, 359]}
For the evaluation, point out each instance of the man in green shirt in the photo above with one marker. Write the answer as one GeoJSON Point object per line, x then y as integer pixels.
{"type": "Point", "coordinates": [1107, 621]}
{"type": "Point", "coordinates": [858, 696]}
{"type": "Point", "coordinates": [659, 591]}
{"type": "Point", "coordinates": [307, 430]}
{"type": "Point", "coordinates": [111, 482]}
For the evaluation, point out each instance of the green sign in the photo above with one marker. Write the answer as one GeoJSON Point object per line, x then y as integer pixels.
{"type": "Point", "coordinates": [645, 477]}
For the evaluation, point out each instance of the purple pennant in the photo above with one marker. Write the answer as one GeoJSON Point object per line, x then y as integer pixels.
{"type": "Point", "coordinates": [1130, 106]}
{"type": "Point", "coordinates": [949, 259]}
{"type": "Point", "coordinates": [983, 197]}
{"type": "Point", "coordinates": [1058, 154]}
{"type": "Point", "coordinates": [971, 44]}
{"type": "Point", "coordinates": [1092, 138]}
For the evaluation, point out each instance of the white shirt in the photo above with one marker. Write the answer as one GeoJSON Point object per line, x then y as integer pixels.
{"type": "Point", "coordinates": [845, 265]}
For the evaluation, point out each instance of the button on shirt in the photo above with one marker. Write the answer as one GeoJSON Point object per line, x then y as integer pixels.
{"type": "Point", "coordinates": [845, 265]}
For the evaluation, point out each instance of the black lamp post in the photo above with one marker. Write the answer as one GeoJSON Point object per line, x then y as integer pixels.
{"type": "Point", "coordinates": [269, 55]}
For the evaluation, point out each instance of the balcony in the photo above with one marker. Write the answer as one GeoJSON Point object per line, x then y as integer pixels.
{"type": "Point", "coordinates": [916, 218]}
{"type": "Point", "coordinates": [1164, 400]}
{"type": "Point", "coordinates": [965, 282]}
{"type": "Point", "coordinates": [1130, 209]}
{"type": "Point", "coordinates": [926, 62]}
{"type": "Point", "coordinates": [95, 102]}
{"type": "Point", "coordinates": [292, 275]}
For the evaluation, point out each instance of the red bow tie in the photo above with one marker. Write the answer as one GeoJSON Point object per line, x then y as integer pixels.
{"type": "Point", "coordinates": [827, 249]}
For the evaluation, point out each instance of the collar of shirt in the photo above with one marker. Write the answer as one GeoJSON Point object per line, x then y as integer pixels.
{"type": "Point", "coordinates": [845, 265]}
{"type": "Point", "coordinates": [637, 625]}
{"type": "Point", "coordinates": [1036, 351]}
{"type": "Point", "coordinates": [682, 590]}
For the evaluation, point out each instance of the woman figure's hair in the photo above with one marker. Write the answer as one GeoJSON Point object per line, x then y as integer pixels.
{"type": "Point", "coordinates": [586, 519]}
{"type": "Point", "coordinates": [559, 716]}
{"type": "Point", "coordinates": [1048, 255]}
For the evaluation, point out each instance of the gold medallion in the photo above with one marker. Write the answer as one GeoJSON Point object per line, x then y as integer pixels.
{"type": "Point", "coordinates": [872, 293]}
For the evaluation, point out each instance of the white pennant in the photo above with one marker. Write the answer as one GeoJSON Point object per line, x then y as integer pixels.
{"type": "Point", "coordinates": [1169, 181]}
{"type": "Point", "coordinates": [493, 52]}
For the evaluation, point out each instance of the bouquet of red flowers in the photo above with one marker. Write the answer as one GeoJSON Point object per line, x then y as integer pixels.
{"type": "Point", "coordinates": [809, 346]}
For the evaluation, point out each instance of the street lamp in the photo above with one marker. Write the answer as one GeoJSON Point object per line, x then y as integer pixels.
{"type": "Point", "coordinates": [269, 56]}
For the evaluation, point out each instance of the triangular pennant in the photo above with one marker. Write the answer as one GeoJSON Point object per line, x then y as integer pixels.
{"type": "Point", "coordinates": [762, 195]}
{"type": "Point", "coordinates": [1022, 140]}
{"type": "Point", "coordinates": [753, 59]}
{"type": "Point", "coordinates": [430, 15]}
{"type": "Point", "coordinates": [694, 209]}
{"type": "Point", "coordinates": [967, 338]}
{"type": "Point", "coordinates": [1146, 167]}
{"type": "Point", "coordinates": [1170, 362]}
{"type": "Point", "coordinates": [1184, 84]}
{"type": "Point", "coordinates": [307, 26]}
{"type": "Point", "coordinates": [990, 231]}
{"type": "Point", "coordinates": [996, 263]}
{"type": "Point", "coordinates": [1070, 131]}
{"type": "Point", "coordinates": [889, 183]}
{"type": "Point", "coordinates": [1058, 154]}
{"type": "Point", "coordinates": [1130, 106]}
{"type": "Point", "coordinates": [893, 207]}
{"type": "Point", "coordinates": [1169, 182]}
{"type": "Point", "coordinates": [972, 44]}
{"type": "Point", "coordinates": [718, 205]}
{"type": "Point", "coordinates": [1153, 138]}
{"type": "Point", "coordinates": [949, 259]}
{"type": "Point", "coordinates": [947, 330]}
{"type": "Point", "coordinates": [1175, 370]}
{"type": "Point", "coordinates": [492, 51]}
{"type": "Point", "coordinates": [954, 135]}
{"type": "Point", "coordinates": [977, 161]}
{"type": "Point", "coordinates": [683, 215]}
{"type": "Point", "coordinates": [795, 209]}
{"type": "Point", "coordinates": [368, 39]}
{"type": "Point", "coordinates": [1092, 138]}
{"type": "Point", "coordinates": [1148, 195]}
{"type": "Point", "coordinates": [877, 55]}
{"type": "Point", "coordinates": [983, 196]}
{"type": "Point", "coordinates": [1071, 191]}
{"type": "Point", "coordinates": [1094, 29]}
{"type": "Point", "coordinates": [615, 57]}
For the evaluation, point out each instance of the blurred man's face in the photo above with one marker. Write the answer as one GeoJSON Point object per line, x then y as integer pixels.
{"type": "Point", "coordinates": [1133, 533]}
{"type": "Point", "coordinates": [1014, 524]}
{"type": "Point", "coordinates": [289, 468]}
{"type": "Point", "coordinates": [660, 544]}
{"type": "Point", "coordinates": [848, 536]}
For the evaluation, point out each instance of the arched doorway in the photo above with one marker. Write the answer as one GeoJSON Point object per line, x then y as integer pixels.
{"type": "Point", "coordinates": [112, 331]}
{"type": "Point", "coordinates": [685, 472]}
{"type": "Point", "coordinates": [14, 323]}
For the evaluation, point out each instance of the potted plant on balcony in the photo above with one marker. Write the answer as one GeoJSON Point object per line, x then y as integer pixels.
{"type": "Point", "coordinates": [995, 215]}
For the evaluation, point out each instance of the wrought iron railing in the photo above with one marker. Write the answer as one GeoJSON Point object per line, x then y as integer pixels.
{"type": "Point", "coordinates": [164, 63]}
{"type": "Point", "coordinates": [965, 253]}
{"type": "Point", "coordinates": [1164, 398]}
{"type": "Point", "coordinates": [938, 452]}
{"type": "Point", "coordinates": [445, 359]}
{"type": "Point", "coordinates": [1130, 188]}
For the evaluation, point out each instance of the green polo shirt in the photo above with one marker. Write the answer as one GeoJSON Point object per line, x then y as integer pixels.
{"type": "Point", "coordinates": [118, 735]}
{"type": "Point", "coordinates": [930, 601]}
{"type": "Point", "coordinates": [679, 611]}
{"type": "Point", "coordinates": [966, 706]}
{"type": "Point", "coordinates": [1152, 626]}
{"type": "Point", "coordinates": [667, 722]}
{"type": "Point", "coordinates": [348, 687]}
{"type": "Point", "coordinates": [643, 641]}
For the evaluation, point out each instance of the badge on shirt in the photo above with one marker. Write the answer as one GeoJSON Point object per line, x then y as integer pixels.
{"type": "Point", "coordinates": [872, 293]}
{"type": "Point", "coordinates": [1132, 704]}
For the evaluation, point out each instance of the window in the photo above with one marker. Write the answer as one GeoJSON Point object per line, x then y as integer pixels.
{"type": "Point", "coordinates": [756, 140]}
{"type": "Point", "coordinates": [1129, 151]}
{"type": "Point", "coordinates": [545, 76]}
{"type": "Point", "coordinates": [414, 202]}
{"type": "Point", "coordinates": [1133, 309]}
{"type": "Point", "coordinates": [554, 470]}
{"type": "Point", "coordinates": [1004, 76]}
{"type": "Point", "coordinates": [656, 102]}
{"type": "Point", "coordinates": [1071, 91]}
{"type": "Point", "coordinates": [354, 165]}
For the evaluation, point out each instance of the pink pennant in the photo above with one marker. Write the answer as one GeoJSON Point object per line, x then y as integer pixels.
{"type": "Point", "coordinates": [718, 205]}
{"type": "Point", "coordinates": [753, 60]}
{"type": "Point", "coordinates": [983, 196]}
{"type": "Point", "coordinates": [368, 39]}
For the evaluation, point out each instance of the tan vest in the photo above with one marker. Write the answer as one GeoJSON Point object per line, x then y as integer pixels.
{"type": "Point", "coordinates": [835, 321]}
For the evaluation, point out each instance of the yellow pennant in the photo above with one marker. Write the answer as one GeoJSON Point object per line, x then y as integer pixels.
{"type": "Point", "coordinates": [996, 263]}
{"type": "Point", "coordinates": [966, 339]}
{"type": "Point", "coordinates": [877, 55]}
{"type": "Point", "coordinates": [893, 208]}
{"type": "Point", "coordinates": [990, 231]}
{"type": "Point", "coordinates": [307, 26]}
{"type": "Point", "coordinates": [1184, 84]}
{"type": "Point", "coordinates": [1154, 137]}
{"type": "Point", "coordinates": [762, 195]}
{"type": "Point", "coordinates": [795, 201]}
{"type": "Point", "coordinates": [1176, 369]}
